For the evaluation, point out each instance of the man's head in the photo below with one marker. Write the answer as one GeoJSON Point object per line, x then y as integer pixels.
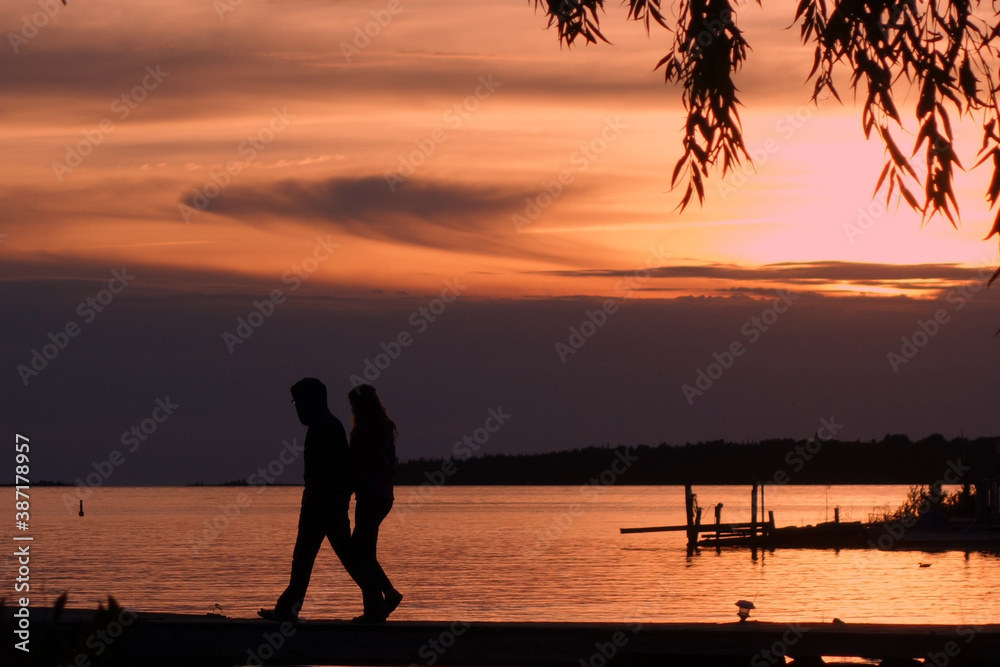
{"type": "Point", "coordinates": [309, 397]}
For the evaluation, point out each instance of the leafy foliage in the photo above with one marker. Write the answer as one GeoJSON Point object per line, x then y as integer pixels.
{"type": "Point", "coordinates": [942, 48]}
{"type": "Point", "coordinates": [923, 499]}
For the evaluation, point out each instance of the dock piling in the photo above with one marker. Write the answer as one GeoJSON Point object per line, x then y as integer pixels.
{"type": "Point", "coordinates": [692, 532]}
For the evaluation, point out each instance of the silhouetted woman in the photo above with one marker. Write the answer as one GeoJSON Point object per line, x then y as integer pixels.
{"type": "Point", "coordinates": [373, 451]}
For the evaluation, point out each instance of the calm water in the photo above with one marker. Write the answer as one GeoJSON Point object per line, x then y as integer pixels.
{"type": "Point", "coordinates": [496, 553]}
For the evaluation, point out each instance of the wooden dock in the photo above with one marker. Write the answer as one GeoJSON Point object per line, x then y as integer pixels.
{"type": "Point", "coordinates": [139, 639]}
{"type": "Point", "coordinates": [834, 534]}
{"type": "Point", "coordinates": [718, 531]}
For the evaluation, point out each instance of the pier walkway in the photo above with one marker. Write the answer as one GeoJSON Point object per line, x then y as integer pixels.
{"type": "Point", "coordinates": [124, 638]}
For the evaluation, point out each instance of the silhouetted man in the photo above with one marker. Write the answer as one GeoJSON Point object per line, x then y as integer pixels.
{"type": "Point", "coordinates": [325, 501]}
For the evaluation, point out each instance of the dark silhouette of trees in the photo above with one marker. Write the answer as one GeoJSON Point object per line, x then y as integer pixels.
{"type": "Point", "coordinates": [944, 49]}
{"type": "Point", "coordinates": [895, 459]}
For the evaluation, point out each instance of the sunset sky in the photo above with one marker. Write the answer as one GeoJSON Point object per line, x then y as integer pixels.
{"type": "Point", "coordinates": [220, 152]}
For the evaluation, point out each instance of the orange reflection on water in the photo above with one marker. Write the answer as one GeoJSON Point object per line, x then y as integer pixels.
{"type": "Point", "coordinates": [499, 554]}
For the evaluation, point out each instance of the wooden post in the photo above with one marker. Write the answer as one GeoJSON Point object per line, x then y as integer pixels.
{"type": "Point", "coordinates": [993, 502]}
{"type": "Point", "coordinates": [836, 515]}
{"type": "Point", "coordinates": [689, 509]}
{"type": "Point", "coordinates": [762, 513]}
{"type": "Point", "coordinates": [753, 513]}
{"type": "Point", "coordinates": [718, 519]}
{"type": "Point", "coordinates": [770, 521]}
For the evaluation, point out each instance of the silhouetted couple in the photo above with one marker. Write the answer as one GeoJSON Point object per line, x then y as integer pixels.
{"type": "Point", "coordinates": [333, 469]}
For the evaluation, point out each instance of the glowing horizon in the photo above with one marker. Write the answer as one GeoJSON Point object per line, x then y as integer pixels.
{"type": "Point", "coordinates": [229, 140]}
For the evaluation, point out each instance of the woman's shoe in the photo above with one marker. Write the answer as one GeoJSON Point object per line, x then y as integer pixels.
{"type": "Point", "coordinates": [392, 600]}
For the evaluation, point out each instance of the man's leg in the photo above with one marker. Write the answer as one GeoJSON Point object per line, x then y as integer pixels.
{"type": "Point", "coordinates": [307, 544]}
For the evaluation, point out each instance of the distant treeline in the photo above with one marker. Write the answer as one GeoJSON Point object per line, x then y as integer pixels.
{"type": "Point", "coordinates": [893, 460]}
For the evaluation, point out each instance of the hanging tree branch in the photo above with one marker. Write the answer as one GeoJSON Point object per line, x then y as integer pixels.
{"type": "Point", "coordinates": [708, 49]}
{"type": "Point", "coordinates": [942, 48]}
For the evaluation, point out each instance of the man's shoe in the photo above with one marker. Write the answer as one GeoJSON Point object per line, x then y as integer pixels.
{"type": "Point", "coordinates": [277, 616]}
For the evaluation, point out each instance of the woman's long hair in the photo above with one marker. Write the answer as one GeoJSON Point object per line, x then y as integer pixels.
{"type": "Point", "coordinates": [367, 407]}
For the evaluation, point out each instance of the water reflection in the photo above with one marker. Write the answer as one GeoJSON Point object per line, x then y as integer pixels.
{"type": "Point", "coordinates": [499, 553]}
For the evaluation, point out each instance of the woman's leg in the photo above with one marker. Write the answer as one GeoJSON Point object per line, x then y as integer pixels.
{"type": "Point", "coordinates": [368, 517]}
{"type": "Point", "coordinates": [360, 569]}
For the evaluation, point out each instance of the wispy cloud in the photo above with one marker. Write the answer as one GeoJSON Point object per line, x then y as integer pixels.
{"type": "Point", "coordinates": [446, 216]}
{"type": "Point", "coordinates": [859, 275]}
{"type": "Point", "coordinates": [142, 245]}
